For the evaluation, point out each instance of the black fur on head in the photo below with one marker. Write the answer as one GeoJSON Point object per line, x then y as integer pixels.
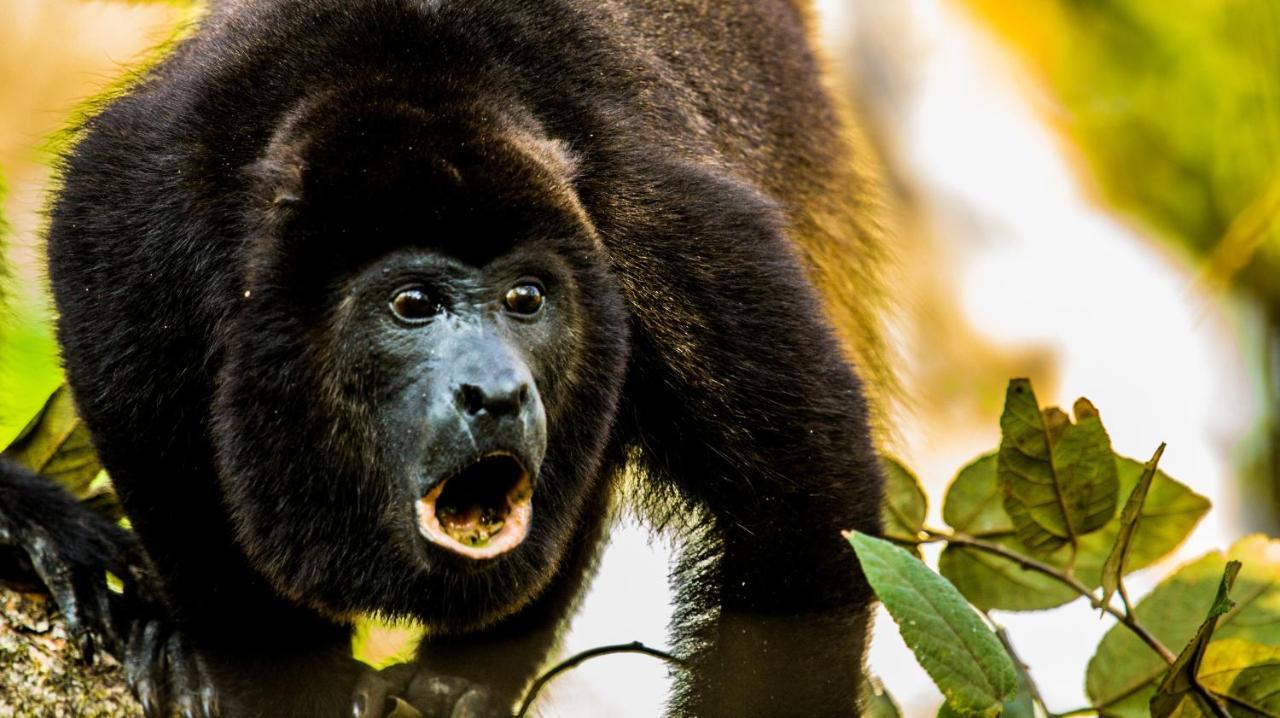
{"type": "Point", "coordinates": [322, 400]}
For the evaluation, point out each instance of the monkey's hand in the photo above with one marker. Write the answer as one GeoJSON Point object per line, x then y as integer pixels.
{"type": "Point", "coordinates": [164, 673]}
{"type": "Point", "coordinates": [407, 690]}
{"type": "Point", "coordinates": [69, 548]}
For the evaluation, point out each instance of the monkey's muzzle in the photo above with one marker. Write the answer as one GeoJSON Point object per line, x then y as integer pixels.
{"type": "Point", "coordinates": [482, 511]}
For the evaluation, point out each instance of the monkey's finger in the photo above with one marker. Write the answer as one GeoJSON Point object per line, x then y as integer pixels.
{"type": "Point", "coordinates": [475, 703]}
{"type": "Point", "coordinates": [108, 620]}
{"type": "Point", "coordinates": [189, 684]}
{"type": "Point", "coordinates": [371, 698]}
{"type": "Point", "coordinates": [144, 666]}
{"type": "Point", "coordinates": [59, 579]}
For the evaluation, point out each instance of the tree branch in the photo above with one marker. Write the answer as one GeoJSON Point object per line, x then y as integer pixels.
{"type": "Point", "coordinates": [576, 659]}
{"type": "Point", "coordinates": [1031, 564]}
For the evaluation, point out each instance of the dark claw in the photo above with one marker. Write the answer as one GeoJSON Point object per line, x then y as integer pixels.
{"type": "Point", "coordinates": [144, 667]}
{"type": "Point", "coordinates": [58, 577]}
{"type": "Point", "coordinates": [107, 620]}
{"type": "Point", "coordinates": [184, 677]}
{"type": "Point", "coordinates": [190, 689]}
{"type": "Point", "coordinates": [209, 701]}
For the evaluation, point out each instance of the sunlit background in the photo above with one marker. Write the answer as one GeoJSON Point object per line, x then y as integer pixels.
{"type": "Point", "coordinates": [1089, 193]}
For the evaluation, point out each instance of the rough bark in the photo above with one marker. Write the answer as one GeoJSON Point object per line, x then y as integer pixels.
{"type": "Point", "coordinates": [41, 673]}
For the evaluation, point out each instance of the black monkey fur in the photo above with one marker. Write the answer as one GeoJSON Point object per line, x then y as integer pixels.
{"type": "Point", "coordinates": [678, 180]}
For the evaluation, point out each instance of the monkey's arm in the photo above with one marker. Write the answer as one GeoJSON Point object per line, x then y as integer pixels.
{"type": "Point", "coordinates": [743, 399]}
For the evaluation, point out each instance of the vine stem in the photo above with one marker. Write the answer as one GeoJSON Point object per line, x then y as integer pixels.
{"type": "Point", "coordinates": [577, 658]}
{"type": "Point", "coordinates": [1007, 642]}
{"type": "Point", "coordinates": [1026, 562]}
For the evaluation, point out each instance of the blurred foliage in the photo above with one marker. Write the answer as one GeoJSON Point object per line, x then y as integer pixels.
{"type": "Point", "coordinates": [28, 362]}
{"type": "Point", "coordinates": [29, 368]}
{"type": "Point", "coordinates": [1175, 108]}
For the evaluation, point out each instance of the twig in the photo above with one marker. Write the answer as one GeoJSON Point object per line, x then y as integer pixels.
{"type": "Point", "coordinates": [1124, 595]}
{"type": "Point", "coordinates": [1023, 668]}
{"type": "Point", "coordinates": [1215, 705]}
{"type": "Point", "coordinates": [576, 659]}
{"type": "Point", "coordinates": [1029, 563]}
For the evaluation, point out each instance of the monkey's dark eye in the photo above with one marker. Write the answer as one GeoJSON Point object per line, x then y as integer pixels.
{"type": "Point", "coordinates": [525, 298]}
{"type": "Point", "coordinates": [414, 304]}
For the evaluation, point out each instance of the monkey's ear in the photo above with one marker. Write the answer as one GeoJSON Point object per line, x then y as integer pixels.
{"type": "Point", "coordinates": [276, 179]}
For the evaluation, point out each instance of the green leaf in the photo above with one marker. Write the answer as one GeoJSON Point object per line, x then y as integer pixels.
{"type": "Point", "coordinates": [991, 582]}
{"type": "Point", "coordinates": [1245, 674]}
{"type": "Point", "coordinates": [1173, 612]}
{"type": "Point", "coordinates": [879, 703]}
{"type": "Point", "coordinates": [1179, 686]}
{"type": "Point", "coordinates": [1136, 705]}
{"type": "Point", "coordinates": [1058, 479]}
{"type": "Point", "coordinates": [972, 506]}
{"type": "Point", "coordinates": [1020, 705]}
{"type": "Point", "coordinates": [905, 505]}
{"type": "Point", "coordinates": [56, 444]}
{"type": "Point", "coordinates": [958, 651]}
{"type": "Point", "coordinates": [972, 503]}
{"type": "Point", "coordinates": [1113, 569]}
{"type": "Point", "coordinates": [1169, 514]}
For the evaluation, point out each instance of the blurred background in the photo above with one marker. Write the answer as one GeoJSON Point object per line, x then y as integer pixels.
{"type": "Point", "coordinates": [1089, 195]}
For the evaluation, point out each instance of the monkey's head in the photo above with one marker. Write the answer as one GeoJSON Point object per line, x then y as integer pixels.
{"type": "Point", "coordinates": [423, 365]}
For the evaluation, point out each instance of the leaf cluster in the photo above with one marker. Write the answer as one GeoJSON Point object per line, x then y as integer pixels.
{"type": "Point", "coordinates": [1038, 523]}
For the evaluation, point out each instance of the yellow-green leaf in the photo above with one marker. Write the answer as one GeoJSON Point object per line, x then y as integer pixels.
{"type": "Point", "coordinates": [971, 506]}
{"type": "Point", "coordinates": [56, 444]}
{"type": "Point", "coordinates": [958, 651]}
{"type": "Point", "coordinates": [1179, 691]}
{"type": "Point", "coordinates": [1245, 675]}
{"type": "Point", "coordinates": [1174, 611]}
{"type": "Point", "coordinates": [1113, 569]}
{"type": "Point", "coordinates": [1058, 479]}
{"type": "Point", "coordinates": [972, 503]}
{"type": "Point", "coordinates": [905, 506]}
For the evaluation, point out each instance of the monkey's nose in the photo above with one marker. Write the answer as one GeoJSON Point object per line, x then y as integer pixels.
{"type": "Point", "coordinates": [501, 397]}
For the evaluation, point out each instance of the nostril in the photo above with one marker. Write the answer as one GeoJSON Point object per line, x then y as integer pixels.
{"type": "Point", "coordinates": [501, 398]}
{"type": "Point", "coordinates": [472, 398]}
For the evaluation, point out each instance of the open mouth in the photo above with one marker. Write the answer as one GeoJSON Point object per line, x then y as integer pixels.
{"type": "Point", "coordinates": [480, 512]}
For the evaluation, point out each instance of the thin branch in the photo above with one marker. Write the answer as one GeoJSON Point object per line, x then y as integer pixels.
{"type": "Point", "coordinates": [576, 659]}
{"type": "Point", "coordinates": [1215, 705]}
{"type": "Point", "coordinates": [1023, 668]}
{"type": "Point", "coordinates": [1124, 595]}
{"type": "Point", "coordinates": [1029, 563]}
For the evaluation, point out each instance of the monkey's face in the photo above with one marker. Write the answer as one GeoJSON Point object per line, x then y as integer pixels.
{"type": "Point", "coordinates": [422, 375]}
{"type": "Point", "coordinates": [456, 359]}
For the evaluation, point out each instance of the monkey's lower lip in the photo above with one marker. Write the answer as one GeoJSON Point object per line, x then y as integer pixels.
{"type": "Point", "coordinates": [480, 512]}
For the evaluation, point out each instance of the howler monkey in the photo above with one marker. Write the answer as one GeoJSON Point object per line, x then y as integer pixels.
{"type": "Point", "coordinates": [370, 304]}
